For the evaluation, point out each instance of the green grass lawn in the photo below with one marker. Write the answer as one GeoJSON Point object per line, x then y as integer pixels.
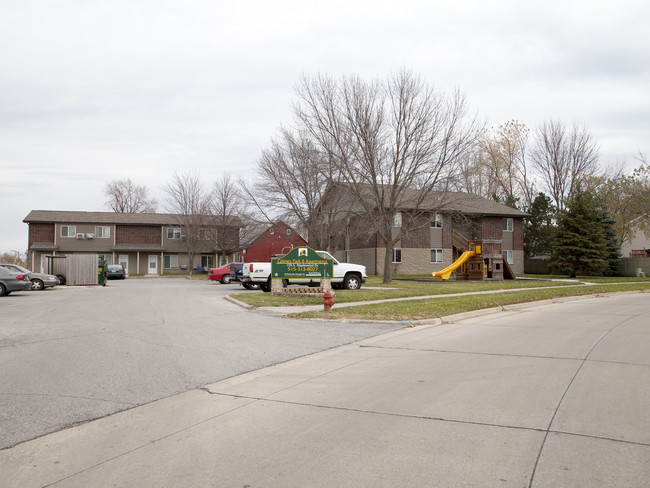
{"type": "Point", "coordinates": [413, 310]}
{"type": "Point", "coordinates": [440, 306]}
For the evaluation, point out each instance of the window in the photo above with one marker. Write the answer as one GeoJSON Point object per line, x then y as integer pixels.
{"type": "Point", "coordinates": [397, 255]}
{"type": "Point", "coordinates": [397, 220]}
{"type": "Point", "coordinates": [102, 231]}
{"type": "Point", "coordinates": [509, 256]}
{"type": "Point", "coordinates": [68, 231]}
{"type": "Point", "coordinates": [173, 232]}
{"type": "Point", "coordinates": [507, 225]}
{"type": "Point", "coordinates": [436, 255]}
{"type": "Point", "coordinates": [206, 261]}
{"type": "Point", "coordinates": [271, 231]}
{"type": "Point", "coordinates": [436, 221]}
{"type": "Point", "coordinates": [170, 261]}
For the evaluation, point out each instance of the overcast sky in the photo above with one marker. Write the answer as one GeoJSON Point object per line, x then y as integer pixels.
{"type": "Point", "coordinates": [95, 90]}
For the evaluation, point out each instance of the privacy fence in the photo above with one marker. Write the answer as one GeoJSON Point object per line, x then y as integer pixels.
{"type": "Point", "coordinates": [629, 266]}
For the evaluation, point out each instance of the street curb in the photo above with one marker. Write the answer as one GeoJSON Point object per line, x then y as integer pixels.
{"type": "Point", "coordinates": [449, 318]}
{"type": "Point", "coordinates": [240, 303]}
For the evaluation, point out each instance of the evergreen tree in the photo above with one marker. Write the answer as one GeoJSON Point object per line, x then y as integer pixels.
{"type": "Point", "coordinates": [580, 242]}
{"type": "Point", "coordinates": [613, 249]}
{"type": "Point", "coordinates": [539, 227]}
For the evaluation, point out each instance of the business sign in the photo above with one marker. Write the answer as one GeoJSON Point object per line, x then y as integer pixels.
{"type": "Point", "coordinates": [302, 262]}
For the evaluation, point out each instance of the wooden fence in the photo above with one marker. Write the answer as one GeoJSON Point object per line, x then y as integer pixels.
{"type": "Point", "coordinates": [78, 269]}
{"type": "Point", "coordinates": [629, 266]}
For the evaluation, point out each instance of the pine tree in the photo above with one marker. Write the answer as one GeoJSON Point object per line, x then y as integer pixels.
{"type": "Point", "coordinates": [539, 227]}
{"type": "Point", "coordinates": [613, 249]}
{"type": "Point", "coordinates": [580, 243]}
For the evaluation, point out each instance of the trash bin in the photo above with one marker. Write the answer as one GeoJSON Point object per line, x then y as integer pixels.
{"type": "Point", "coordinates": [102, 272]}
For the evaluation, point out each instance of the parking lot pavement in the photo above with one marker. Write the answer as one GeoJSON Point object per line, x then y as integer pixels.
{"type": "Point", "coordinates": [73, 354]}
{"type": "Point", "coordinates": [532, 397]}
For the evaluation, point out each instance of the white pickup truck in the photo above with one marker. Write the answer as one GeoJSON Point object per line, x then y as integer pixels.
{"type": "Point", "coordinates": [345, 275]}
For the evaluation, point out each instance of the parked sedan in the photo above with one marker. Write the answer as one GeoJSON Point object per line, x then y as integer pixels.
{"type": "Point", "coordinates": [39, 281]}
{"type": "Point", "coordinates": [220, 274]}
{"type": "Point", "coordinates": [11, 281]}
{"type": "Point", "coordinates": [115, 272]}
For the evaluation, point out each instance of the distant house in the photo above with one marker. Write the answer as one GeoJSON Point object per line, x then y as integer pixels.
{"type": "Point", "coordinates": [439, 230]}
{"type": "Point", "coordinates": [145, 243]}
{"type": "Point", "coordinates": [278, 238]}
{"type": "Point", "coordinates": [638, 246]}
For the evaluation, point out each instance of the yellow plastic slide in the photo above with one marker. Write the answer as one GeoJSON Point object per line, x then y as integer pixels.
{"type": "Point", "coordinates": [446, 273]}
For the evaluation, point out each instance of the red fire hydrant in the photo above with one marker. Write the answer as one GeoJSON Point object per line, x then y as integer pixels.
{"type": "Point", "coordinates": [328, 300]}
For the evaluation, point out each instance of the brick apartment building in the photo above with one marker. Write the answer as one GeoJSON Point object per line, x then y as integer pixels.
{"type": "Point", "coordinates": [145, 243]}
{"type": "Point", "coordinates": [433, 236]}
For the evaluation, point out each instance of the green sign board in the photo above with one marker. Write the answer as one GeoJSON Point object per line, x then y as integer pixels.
{"type": "Point", "coordinates": [302, 262]}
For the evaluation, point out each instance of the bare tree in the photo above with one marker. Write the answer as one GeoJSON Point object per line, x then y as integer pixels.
{"type": "Point", "coordinates": [502, 157]}
{"type": "Point", "coordinates": [228, 215]}
{"type": "Point", "coordinates": [563, 159]}
{"type": "Point", "coordinates": [292, 176]}
{"type": "Point", "coordinates": [124, 196]}
{"type": "Point", "coordinates": [188, 199]}
{"type": "Point", "coordinates": [391, 145]}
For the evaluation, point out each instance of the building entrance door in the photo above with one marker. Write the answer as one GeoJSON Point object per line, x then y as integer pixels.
{"type": "Point", "coordinates": [153, 264]}
{"type": "Point", "coordinates": [123, 259]}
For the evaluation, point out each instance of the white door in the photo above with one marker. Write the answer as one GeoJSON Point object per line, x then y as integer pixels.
{"type": "Point", "coordinates": [123, 259]}
{"type": "Point", "coordinates": [153, 264]}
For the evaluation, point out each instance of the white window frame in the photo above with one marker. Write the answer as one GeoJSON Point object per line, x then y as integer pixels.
{"type": "Point", "coordinates": [438, 255]}
{"type": "Point", "coordinates": [508, 225]}
{"type": "Point", "coordinates": [168, 261]}
{"type": "Point", "coordinates": [208, 257]}
{"type": "Point", "coordinates": [397, 220]}
{"type": "Point", "coordinates": [509, 256]}
{"type": "Point", "coordinates": [436, 221]}
{"type": "Point", "coordinates": [204, 234]}
{"type": "Point", "coordinates": [397, 254]}
{"type": "Point", "coordinates": [70, 231]}
{"type": "Point", "coordinates": [103, 231]}
{"type": "Point", "coordinates": [173, 233]}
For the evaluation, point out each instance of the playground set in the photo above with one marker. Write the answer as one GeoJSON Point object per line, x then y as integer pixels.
{"type": "Point", "coordinates": [482, 260]}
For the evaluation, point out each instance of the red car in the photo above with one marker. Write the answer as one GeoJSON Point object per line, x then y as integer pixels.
{"type": "Point", "coordinates": [220, 274]}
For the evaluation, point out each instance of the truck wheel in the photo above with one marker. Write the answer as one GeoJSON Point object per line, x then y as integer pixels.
{"type": "Point", "coordinates": [266, 287]}
{"type": "Point", "coordinates": [352, 282]}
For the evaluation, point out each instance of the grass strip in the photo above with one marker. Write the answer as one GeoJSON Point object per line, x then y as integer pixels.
{"type": "Point", "coordinates": [413, 310]}
{"type": "Point", "coordinates": [375, 290]}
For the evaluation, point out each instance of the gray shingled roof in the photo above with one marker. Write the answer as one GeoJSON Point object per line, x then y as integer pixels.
{"type": "Point", "coordinates": [75, 217]}
{"type": "Point", "coordinates": [475, 205]}
{"type": "Point", "coordinates": [448, 202]}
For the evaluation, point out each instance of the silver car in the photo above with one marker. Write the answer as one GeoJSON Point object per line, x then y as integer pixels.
{"type": "Point", "coordinates": [39, 281]}
{"type": "Point", "coordinates": [11, 281]}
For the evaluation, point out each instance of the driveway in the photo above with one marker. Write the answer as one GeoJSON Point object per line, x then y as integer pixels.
{"type": "Point", "coordinates": [73, 354]}
{"type": "Point", "coordinates": [544, 396]}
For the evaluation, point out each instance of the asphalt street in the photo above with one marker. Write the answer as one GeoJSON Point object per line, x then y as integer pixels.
{"type": "Point", "coordinates": [72, 354]}
{"type": "Point", "coordinates": [550, 395]}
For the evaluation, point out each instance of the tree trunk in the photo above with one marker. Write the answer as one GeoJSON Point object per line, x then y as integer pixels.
{"type": "Point", "coordinates": [388, 265]}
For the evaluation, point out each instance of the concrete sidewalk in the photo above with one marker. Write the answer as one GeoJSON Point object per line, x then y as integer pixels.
{"type": "Point", "coordinates": [544, 396]}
